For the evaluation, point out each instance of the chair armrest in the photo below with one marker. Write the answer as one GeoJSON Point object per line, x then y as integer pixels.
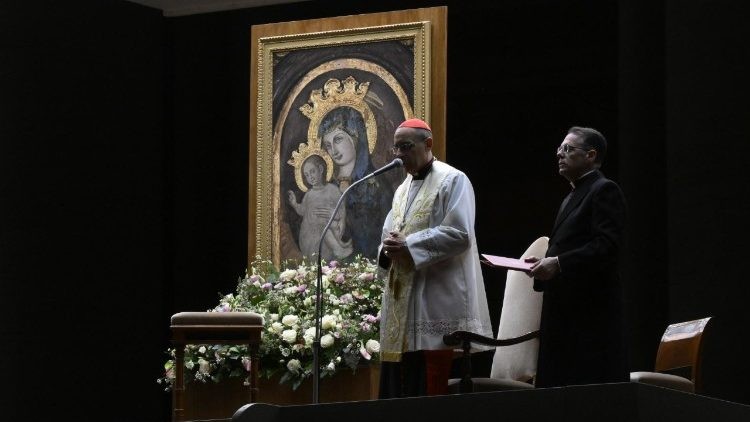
{"type": "Point", "coordinates": [462, 337]}
{"type": "Point", "coordinates": [465, 338]}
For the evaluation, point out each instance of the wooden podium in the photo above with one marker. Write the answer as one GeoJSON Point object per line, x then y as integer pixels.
{"type": "Point", "coordinates": [242, 328]}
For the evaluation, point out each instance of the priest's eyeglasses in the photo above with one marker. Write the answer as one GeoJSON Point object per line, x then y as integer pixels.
{"type": "Point", "coordinates": [567, 148]}
{"type": "Point", "coordinates": [403, 147]}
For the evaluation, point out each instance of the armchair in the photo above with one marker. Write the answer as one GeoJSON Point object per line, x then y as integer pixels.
{"type": "Point", "coordinates": [517, 345]}
{"type": "Point", "coordinates": [681, 346]}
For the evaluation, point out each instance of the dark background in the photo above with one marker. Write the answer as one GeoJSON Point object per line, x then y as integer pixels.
{"type": "Point", "coordinates": [124, 171]}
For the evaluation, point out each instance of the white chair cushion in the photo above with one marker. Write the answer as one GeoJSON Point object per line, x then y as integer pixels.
{"type": "Point", "coordinates": [663, 380]}
{"type": "Point", "coordinates": [521, 313]}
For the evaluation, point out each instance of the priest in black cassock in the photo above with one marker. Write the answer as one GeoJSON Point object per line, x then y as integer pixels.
{"type": "Point", "coordinates": [582, 338]}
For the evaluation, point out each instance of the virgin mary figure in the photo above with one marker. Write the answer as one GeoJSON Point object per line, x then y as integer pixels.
{"type": "Point", "coordinates": [344, 138]}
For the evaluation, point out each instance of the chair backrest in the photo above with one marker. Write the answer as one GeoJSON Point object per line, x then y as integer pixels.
{"type": "Point", "coordinates": [681, 347]}
{"type": "Point", "coordinates": [521, 313]}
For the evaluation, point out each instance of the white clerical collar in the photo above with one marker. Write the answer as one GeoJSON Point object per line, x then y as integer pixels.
{"type": "Point", "coordinates": [573, 185]}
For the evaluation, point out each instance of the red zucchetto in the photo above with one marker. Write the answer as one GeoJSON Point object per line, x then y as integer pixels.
{"type": "Point", "coordinates": [415, 123]}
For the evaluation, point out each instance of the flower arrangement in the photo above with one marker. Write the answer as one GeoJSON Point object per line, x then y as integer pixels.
{"type": "Point", "coordinates": [286, 299]}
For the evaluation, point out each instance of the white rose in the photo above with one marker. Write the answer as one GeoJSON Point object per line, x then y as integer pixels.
{"type": "Point", "coordinates": [308, 301]}
{"type": "Point", "coordinates": [293, 365]}
{"type": "Point", "coordinates": [309, 336]}
{"type": "Point", "coordinates": [288, 275]}
{"type": "Point", "coordinates": [290, 320]}
{"type": "Point", "coordinates": [372, 346]}
{"type": "Point", "coordinates": [290, 290]}
{"type": "Point", "coordinates": [277, 327]}
{"type": "Point", "coordinates": [289, 336]}
{"type": "Point", "coordinates": [202, 350]}
{"type": "Point", "coordinates": [328, 322]}
{"type": "Point", "coordinates": [331, 366]}
{"type": "Point", "coordinates": [274, 317]}
{"type": "Point", "coordinates": [203, 366]}
{"type": "Point", "coordinates": [325, 281]}
{"type": "Point", "coordinates": [365, 354]}
{"type": "Point", "coordinates": [327, 341]}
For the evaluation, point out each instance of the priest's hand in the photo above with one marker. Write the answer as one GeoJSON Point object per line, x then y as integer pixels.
{"type": "Point", "coordinates": [395, 248]}
{"type": "Point", "coordinates": [545, 268]}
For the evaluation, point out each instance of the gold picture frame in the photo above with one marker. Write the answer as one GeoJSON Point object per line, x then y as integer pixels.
{"type": "Point", "coordinates": [353, 77]}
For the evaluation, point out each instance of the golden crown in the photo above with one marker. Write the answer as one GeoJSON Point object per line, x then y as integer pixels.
{"type": "Point", "coordinates": [335, 94]}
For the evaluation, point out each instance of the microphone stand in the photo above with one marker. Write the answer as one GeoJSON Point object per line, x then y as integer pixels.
{"type": "Point", "coordinates": [319, 283]}
{"type": "Point", "coordinates": [319, 297]}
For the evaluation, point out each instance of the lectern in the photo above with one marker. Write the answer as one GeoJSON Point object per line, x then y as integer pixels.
{"type": "Point", "coordinates": [242, 328]}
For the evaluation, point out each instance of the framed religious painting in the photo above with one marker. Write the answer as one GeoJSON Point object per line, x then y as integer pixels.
{"type": "Point", "coordinates": [326, 97]}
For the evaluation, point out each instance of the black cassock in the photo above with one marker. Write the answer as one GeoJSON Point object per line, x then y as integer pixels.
{"type": "Point", "coordinates": [582, 337]}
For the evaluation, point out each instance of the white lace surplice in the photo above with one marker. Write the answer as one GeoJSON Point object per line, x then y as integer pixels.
{"type": "Point", "coordinates": [448, 289]}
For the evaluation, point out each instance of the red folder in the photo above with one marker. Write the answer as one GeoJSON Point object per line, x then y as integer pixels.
{"type": "Point", "coordinates": [504, 262]}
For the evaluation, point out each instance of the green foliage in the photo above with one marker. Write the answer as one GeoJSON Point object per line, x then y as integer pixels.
{"type": "Point", "coordinates": [351, 298]}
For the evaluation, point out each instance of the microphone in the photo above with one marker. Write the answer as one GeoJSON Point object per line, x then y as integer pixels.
{"type": "Point", "coordinates": [319, 282]}
{"type": "Point", "coordinates": [392, 165]}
